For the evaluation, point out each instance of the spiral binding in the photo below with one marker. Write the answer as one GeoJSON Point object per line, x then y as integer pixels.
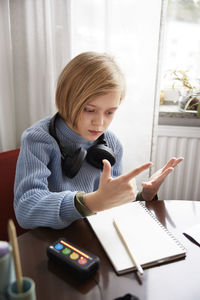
{"type": "Point", "coordinates": [164, 228]}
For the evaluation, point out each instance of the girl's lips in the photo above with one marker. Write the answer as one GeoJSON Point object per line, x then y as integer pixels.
{"type": "Point", "coordinates": [94, 132]}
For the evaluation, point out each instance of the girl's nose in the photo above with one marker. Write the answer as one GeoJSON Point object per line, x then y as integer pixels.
{"type": "Point", "coordinates": [98, 120]}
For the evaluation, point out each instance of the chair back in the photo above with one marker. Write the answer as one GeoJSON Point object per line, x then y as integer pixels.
{"type": "Point", "coordinates": [8, 162]}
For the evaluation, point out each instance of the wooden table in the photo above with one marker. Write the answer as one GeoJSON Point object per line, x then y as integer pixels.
{"type": "Point", "coordinates": [178, 280]}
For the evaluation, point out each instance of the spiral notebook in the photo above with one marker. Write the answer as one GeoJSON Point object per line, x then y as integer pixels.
{"type": "Point", "coordinates": [145, 236]}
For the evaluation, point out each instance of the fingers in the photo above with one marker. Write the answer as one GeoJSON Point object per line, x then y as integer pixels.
{"type": "Point", "coordinates": [173, 162]}
{"type": "Point", "coordinates": [178, 160]}
{"type": "Point", "coordinates": [106, 174]}
{"type": "Point", "coordinates": [169, 163]}
{"type": "Point", "coordinates": [135, 172]}
{"type": "Point", "coordinates": [159, 179]}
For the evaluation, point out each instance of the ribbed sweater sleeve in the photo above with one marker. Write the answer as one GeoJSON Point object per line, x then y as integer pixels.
{"type": "Point", "coordinates": [35, 205]}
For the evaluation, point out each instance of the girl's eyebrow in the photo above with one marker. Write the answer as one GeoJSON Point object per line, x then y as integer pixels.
{"type": "Point", "coordinates": [88, 104]}
{"type": "Point", "coordinates": [115, 107]}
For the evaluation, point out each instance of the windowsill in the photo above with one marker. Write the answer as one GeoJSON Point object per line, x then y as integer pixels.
{"type": "Point", "coordinates": [169, 114]}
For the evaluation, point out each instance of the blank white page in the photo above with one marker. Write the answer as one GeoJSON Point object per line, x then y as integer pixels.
{"type": "Point", "coordinates": [145, 236]}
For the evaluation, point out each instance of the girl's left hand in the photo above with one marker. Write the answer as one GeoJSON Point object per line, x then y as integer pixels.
{"type": "Point", "coordinates": [151, 187]}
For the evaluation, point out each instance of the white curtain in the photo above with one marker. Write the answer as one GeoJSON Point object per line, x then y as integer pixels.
{"type": "Point", "coordinates": [40, 36]}
{"type": "Point", "coordinates": [35, 44]}
{"type": "Point", "coordinates": [131, 31]}
{"type": "Point", "coordinates": [7, 103]}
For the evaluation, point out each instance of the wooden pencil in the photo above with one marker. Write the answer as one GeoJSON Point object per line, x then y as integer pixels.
{"type": "Point", "coordinates": [131, 255]}
{"type": "Point", "coordinates": [13, 241]}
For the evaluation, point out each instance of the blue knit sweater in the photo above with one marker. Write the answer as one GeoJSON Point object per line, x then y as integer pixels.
{"type": "Point", "coordinates": [44, 196]}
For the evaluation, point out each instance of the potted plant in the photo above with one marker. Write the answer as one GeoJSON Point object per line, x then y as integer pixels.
{"type": "Point", "coordinates": [187, 88]}
{"type": "Point", "coordinates": [190, 102]}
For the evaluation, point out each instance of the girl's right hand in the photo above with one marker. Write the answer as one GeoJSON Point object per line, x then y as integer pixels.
{"type": "Point", "coordinates": [114, 191]}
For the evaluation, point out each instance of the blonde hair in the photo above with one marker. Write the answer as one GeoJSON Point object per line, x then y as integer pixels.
{"type": "Point", "coordinates": [87, 75]}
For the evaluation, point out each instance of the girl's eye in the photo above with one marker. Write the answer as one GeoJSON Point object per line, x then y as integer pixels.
{"type": "Point", "coordinates": [109, 112]}
{"type": "Point", "coordinates": [88, 110]}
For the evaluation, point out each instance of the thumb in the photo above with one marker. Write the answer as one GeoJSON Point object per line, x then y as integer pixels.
{"type": "Point", "coordinates": [106, 173]}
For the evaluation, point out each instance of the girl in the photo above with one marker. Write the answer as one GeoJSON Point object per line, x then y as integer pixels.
{"type": "Point", "coordinates": [70, 166]}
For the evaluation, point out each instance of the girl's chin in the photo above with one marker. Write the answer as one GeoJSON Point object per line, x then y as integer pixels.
{"type": "Point", "coordinates": [91, 138]}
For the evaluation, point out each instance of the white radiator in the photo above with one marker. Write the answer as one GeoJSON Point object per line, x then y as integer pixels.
{"type": "Point", "coordinates": [184, 182]}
